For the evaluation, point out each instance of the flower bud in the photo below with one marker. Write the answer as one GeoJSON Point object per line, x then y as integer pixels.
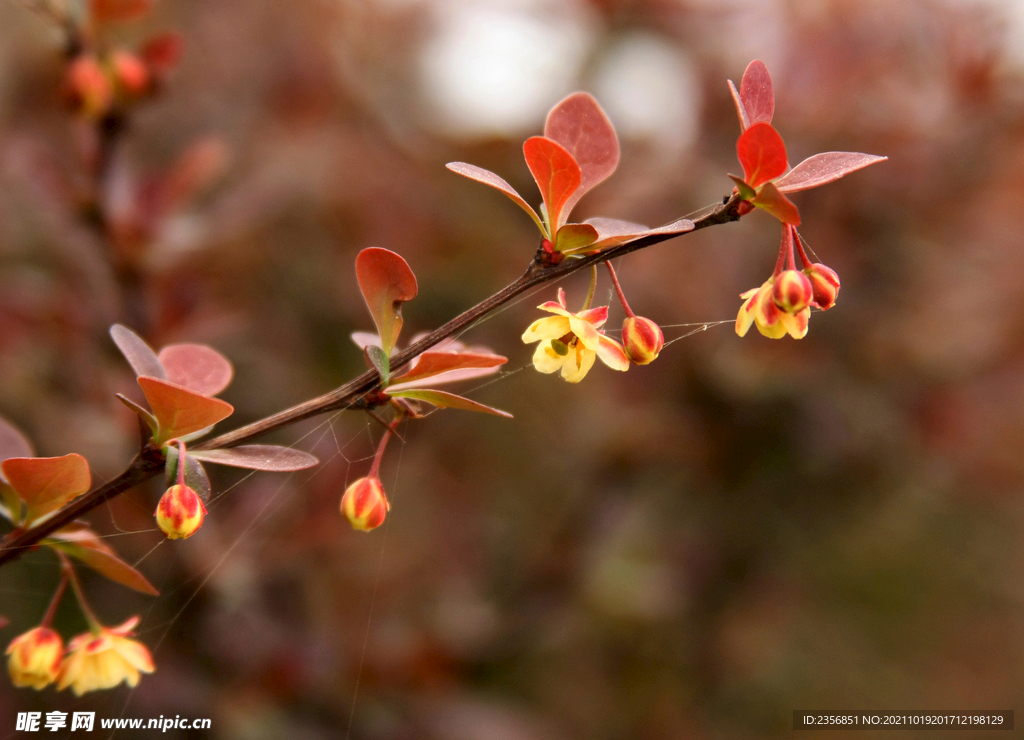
{"type": "Point", "coordinates": [642, 339]}
{"type": "Point", "coordinates": [792, 292]}
{"type": "Point", "coordinates": [132, 76]}
{"type": "Point", "coordinates": [824, 283]}
{"type": "Point", "coordinates": [180, 512]}
{"type": "Point", "coordinates": [365, 505]}
{"type": "Point", "coordinates": [35, 658]}
{"type": "Point", "coordinates": [88, 87]}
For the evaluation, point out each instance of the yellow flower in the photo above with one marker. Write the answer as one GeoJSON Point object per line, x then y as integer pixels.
{"type": "Point", "coordinates": [571, 342]}
{"type": "Point", "coordinates": [103, 660]}
{"type": "Point", "coordinates": [35, 658]}
{"type": "Point", "coordinates": [761, 308]}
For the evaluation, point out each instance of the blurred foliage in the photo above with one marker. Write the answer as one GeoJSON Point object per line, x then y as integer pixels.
{"type": "Point", "coordinates": [693, 549]}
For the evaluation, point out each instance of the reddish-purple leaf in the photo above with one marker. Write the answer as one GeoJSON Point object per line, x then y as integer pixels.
{"type": "Point", "coordinates": [557, 175]}
{"type": "Point", "coordinates": [197, 367]}
{"type": "Point", "coordinates": [387, 282]}
{"type": "Point", "coordinates": [140, 355]}
{"type": "Point", "coordinates": [435, 363]}
{"type": "Point", "coordinates": [777, 204]}
{"type": "Point", "coordinates": [258, 457]}
{"type": "Point", "coordinates": [762, 153]}
{"type": "Point", "coordinates": [579, 125]}
{"type": "Point", "coordinates": [574, 237]}
{"type": "Point", "coordinates": [47, 483]}
{"type": "Point", "coordinates": [107, 11]}
{"type": "Point", "coordinates": [612, 232]}
{"type": "Point", "coordinates": [12, 442]}
{"type": "Point", "coordinates": [489, 178]}
{"type": "Point", "coordinates": [444, 400]}
{"type": "Point", "coordinates": [81, 543]}
{"type": "Point", "coordinates": [740, 110]}
{"type": "Point", "coordinates": [757, 94]}
{"type": "Point", "coordinates": [179, 411]}
{"type": "Point", "coordinates": [824, 168]}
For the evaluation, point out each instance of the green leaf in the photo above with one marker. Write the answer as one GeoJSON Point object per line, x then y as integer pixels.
{"type": "Point", "coordinates": [386, 281]}
{"type": "Point", "coordinates": [745, 191]}
{"type": "Point", "coordinates": [774, 202]}
{"type": "Point", "coordinates": [45, 484]}
{"type": "Point", "coordinates": [381, 363]}
{"type": "Point", "coordinates": [445, 400]}
{"type": "Point", "coordinates": [195, 474]}
{"type": "Point", "coordinates": [575, 237]}
{"type": "Point", "coordinates": [81, 543]}
{"type": "Point", "coordinates": [179, 411]}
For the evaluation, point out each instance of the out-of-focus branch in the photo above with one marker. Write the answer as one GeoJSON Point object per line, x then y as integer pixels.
{"type": "Point", "coordinates": [150, 462]}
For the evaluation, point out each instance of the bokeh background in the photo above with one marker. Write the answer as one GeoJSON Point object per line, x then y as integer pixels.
{"type": "Point", "coordinates": [691, 550]}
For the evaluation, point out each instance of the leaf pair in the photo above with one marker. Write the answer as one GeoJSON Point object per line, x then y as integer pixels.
{"type": "Point", "coordinates": [386, 282]}
{"type": "Point", "coordinates": [579, 150]}
{"type": "Point", "coordinates": [762, 152]}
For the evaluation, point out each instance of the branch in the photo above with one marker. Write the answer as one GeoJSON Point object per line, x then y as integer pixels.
{"type": "Point", "coordinates": [150, 462]}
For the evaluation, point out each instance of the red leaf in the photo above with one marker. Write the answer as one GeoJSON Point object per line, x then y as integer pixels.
{"type": "Point", "coordinates": [579, 125]}
{"type": "Point", "coordinates": [162, 52]}
{"type": "Point", "coordinates": [557, 175]}
{"type": "Point", "coordinates": [80, 542]}
{"type": "Point", "coordinates": [762, 153]}
{"type": "Point", "coordinates": [448, 400]}
{"type": "Point", "coordinates": [611, 232]}
{"type": "Point", "coordinates": [757, 94]}
{"type": "Point", "coordinates": [489, 178]}
{"type": "Point", "coordinates": [179, 411]}
{"type": "Point", "coordinates": [12, 442]}
{"type": "Point", "coordinates": [47, 483]}
{"type": "Point", "coordinates": [824, 168]}
{"type": "Point", "coordinates": [106, 11]}
{"type": "Point", "coordinates": [258, 457]}
{"type": "Point", "coordinates": [777, 204]}
{"type": "Point", "coordinates": [140, 355]}
{"type": "Point", "coordinates": [387, 282]}
{"type": "Point", "coordinates": [434, 363]}
{"type": "Point", "coordinates": [197, 367]}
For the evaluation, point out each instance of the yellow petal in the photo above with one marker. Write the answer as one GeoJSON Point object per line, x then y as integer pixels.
{"type": "Point", "coordinates": [586, 332]}
{"type": "Point", "coordinates": [612, 354]}
{"type": "Point", "coordinates": [578, 364]}
{"type": "Point", "coordinates": [796, 324]}
{"type": "Point", "coordinates": [550, 327]}
{"type": "Point", "coordinates": [546, 360]}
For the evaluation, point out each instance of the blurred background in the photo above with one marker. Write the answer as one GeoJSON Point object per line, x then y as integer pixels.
{"type": "Point", "coordinates": [690, 550]}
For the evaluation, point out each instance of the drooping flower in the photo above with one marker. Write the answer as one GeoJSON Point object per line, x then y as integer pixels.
{"type": "Point", "coordinates": [180, 512]}
{"type": "Point", "coordinates": [782, 305]}
{"type": "Point", "coordinates": [570, 342]}
{"type": "Point", "coordinates": [34, 658]}
{"type": "Point", "coordinates": [364, 504]}
{"type": "Point", "coordinates": [103, 659]}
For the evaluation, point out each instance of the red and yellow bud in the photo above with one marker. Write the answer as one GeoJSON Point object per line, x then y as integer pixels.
{"type": "Point", "coordinates": [88, 87]}
{"type": "Point", "coordinates": [642, 339]}
{"type": "Point", "coordinates": [824, 285]}
{"type": "Point", "coordinates": [365, 505]}
{"type": "Point", "coordinates": [131, 74]}
{"type": "Point", "coordinates": [180, 512]}
{"type": "Point", "coordinates": [792, 292]}
{"type": "Point", "coordinates": [35, 658]}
